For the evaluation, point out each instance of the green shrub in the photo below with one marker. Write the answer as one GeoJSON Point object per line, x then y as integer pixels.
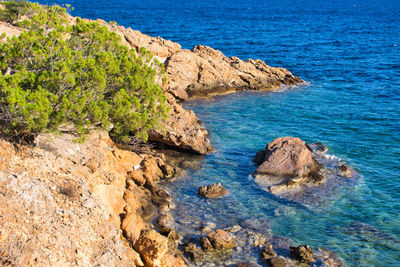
{"type": "Point", "coordinates": [56, 74]}
{"type": "Point", "coordinates": [14, 10]}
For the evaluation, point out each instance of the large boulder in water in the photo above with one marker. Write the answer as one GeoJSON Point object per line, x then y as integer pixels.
{"type": "Point", "coordinates": [300, 172]}
{"type": "Point", "coordinates": [287, 157]}
{"type": "Point", "coordinates": [286, 162]}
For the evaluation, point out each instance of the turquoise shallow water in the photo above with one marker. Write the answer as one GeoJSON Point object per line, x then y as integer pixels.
{"type": "Point", "coordinates": [349, 51]}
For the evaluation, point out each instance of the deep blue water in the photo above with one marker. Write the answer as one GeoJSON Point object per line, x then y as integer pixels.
{"type": "Point", "coordinates": [349, 51]}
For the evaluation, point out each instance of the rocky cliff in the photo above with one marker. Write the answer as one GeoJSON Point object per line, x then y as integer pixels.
{"type": "Point", "coordinates": [92, 203]}
{"type": "Point", "coordinates": [200, 72]}
{"type": "Point", "coordinates": [204, 71]}
{"type": "Point", "coordinates": [65, 203]}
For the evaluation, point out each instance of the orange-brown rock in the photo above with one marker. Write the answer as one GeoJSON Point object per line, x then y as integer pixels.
{"type": "Point", "coordinates": [213, 190]}
{"type": "Point", "coordinates": [61, 201]}
{"type": "Point", "coordinates": [287, 157]}
{"type": "Point", "coordinates": [221, 239]}
{"type": "Point", "coordinates": [183, 130]}
{"type": "Point", "coordinates": [286, 164]}
{"type": "Point", "coordinates": [56, 210]}
{"type": "Point", "coordinates": [156, 252]}
{"type": "Point", "coordinates": [205, 71]}
{"type": "Point", "coordinates": [160, 47]}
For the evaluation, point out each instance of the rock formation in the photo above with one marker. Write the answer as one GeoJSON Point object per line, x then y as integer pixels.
{"type": "Point", "coordinates": [221, 239]}
{"type": "Point", "coordinates": [67, 203]}
{"type": "Point", "coordinates": [201, 72]}
{"type": "Point", "coordinates": [213, 190]}
{"type": "Point", "coordinates": [64, 203]}
{"type": "Point", "coordinates": [183, 130]}
{"type": "Point", "coordinates": [301, 172]}
{"type": "Point", "coordinates": [205, 71]}
{"type": "Point", "coordinates": [287, 162]}
{"type": "Point", "coordinates": [302, 253]}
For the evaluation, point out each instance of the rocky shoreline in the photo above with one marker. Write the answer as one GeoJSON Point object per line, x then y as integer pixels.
{"type": "Point", "coordinates": [65, 203]}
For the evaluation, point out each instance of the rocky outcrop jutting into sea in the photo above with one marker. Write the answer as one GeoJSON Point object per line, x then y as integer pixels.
{"type": "Point", "coordinates": [205, 71]}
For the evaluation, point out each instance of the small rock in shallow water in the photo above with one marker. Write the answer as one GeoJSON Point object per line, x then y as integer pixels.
{"type": "Point", "coordinates": [278, 261]}
{"type": "Point", "coordinates": [302, 253]}
{"type": "Point", "coordinates": [165, 223]}
{"type": "Point", "coordinates": [345, 170]}
{"type": "Point", "coordinates": [319, 147]}
{"type": "Point", "coordinates": [234, 229]}
{"type": "Point", "coordinates": [221, 239]}
{"type": "Point", "coordinates": [267, 252]}
{"type": "Point", "coordinates": [205, 243]}
{"type": "Point", "coordinates": [213, 191]}
{"type": "Point", "coordinates": [192, 251]}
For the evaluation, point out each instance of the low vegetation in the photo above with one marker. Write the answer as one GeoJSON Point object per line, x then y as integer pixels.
{"type": "Point", "coordinates": [60, 73]}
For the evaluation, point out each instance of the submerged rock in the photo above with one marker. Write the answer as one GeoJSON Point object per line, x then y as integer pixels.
{"type": "Point", "coordinates": [192, 251]}
{"type": "Point", "coordinates": [165, 223]}
{"type": "Point", "coordinates": [205, 243]}
{"type": "Point", "coordinates": [213, 190]}
{"type": "Point", "coordinates": [247, 264]}
{"type": "Point", "coordinates": [278, 261]}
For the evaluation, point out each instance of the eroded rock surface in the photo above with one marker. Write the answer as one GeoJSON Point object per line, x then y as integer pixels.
{"type": "Point", "coordinates": [68, 203]}
{"type": "Point", "coordinates": [221, 239]}
{"type": "Point", "coordinates": [205, 71]}
{"type": "Point", "coordinates": [155, 250]}
{"type": "Point", "coordinates": [213, 190]}
{"type": "Point", "coordinates": [302, 253]}
{"type": "Point", "coordinates": [304, 173]}
{"type": "Point", "coordinates": [286, 163]}
{"type": "Point", "coordinates": [183, 130]}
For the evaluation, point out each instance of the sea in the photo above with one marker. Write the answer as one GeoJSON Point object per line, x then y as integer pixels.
{"type": "Point", "coordinates": [349, 53]}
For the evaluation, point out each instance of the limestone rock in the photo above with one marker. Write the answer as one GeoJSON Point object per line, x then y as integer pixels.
{"type": "Point", "coordinates": [160, 47]}
{"type": "Point", "coordinates": [192, 251]}
{"type": "Point", "coordinates": [213, 190]}
{"type": "Point", "coordinates": [267, 252]}
{"type": "Point", "coordinates": [56, 210]}
{"type": "Point", "coordinates": [205, 71]}
{"type": "Point", "coordinates": [287, 162]}
{"type": "Point", "coordinates": [205, 243]}
{"type": "Point", "coordinates": [221, 239]}
{"type": "Point", "coordinates": [287, 157]}
{"type": "Point", "coordinates": [183, 130]}
{"type": "Point", "coordinates": [302, 253]}
{"type": "Point", "coordinates": [165, 223]}
{"type": "Point", "coordinates": [155, 251]}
